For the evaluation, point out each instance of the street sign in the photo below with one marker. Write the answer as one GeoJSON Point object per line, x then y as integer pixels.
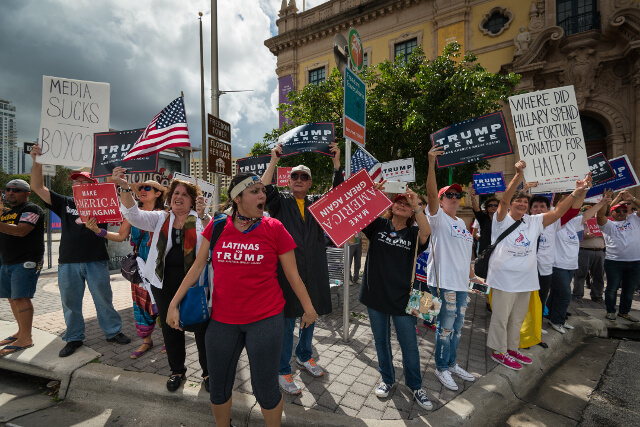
{"type": "Point", "coordinates": [219, 160]}
{"type": "Point", "coordinates": [355, 107]}
{"type": "Point", "coordinates": [28, 146]}
{"type": "Point", "coordinates": [218, 128]}
{"type": "Point", "coordinates": [356, 52]}
{"type": "Point", "coordinates": [48, 170]}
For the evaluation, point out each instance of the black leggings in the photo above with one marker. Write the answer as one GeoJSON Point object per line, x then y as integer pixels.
{"type": "Point", "coordinates": [263, 341]}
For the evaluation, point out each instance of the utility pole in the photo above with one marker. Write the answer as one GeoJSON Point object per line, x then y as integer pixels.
{"type": "Point", "coordinates": [215, 89]}
{"type": "Point", "coordinates": [205, 152]}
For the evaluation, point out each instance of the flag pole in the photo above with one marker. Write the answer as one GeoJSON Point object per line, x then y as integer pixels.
{"type": "Point", "coordinates": [190, 149]}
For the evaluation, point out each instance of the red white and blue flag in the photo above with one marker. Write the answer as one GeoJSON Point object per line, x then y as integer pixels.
{"type": "Point", "coordinates": [362, 159]}
{"type": "Point", "coordinates": [168, 129]}
{"type": "Point", "coordinates": [30, 217]}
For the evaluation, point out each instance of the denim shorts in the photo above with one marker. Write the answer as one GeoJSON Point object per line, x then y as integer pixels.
{"type": "Point", "coordinates": [18, 281]}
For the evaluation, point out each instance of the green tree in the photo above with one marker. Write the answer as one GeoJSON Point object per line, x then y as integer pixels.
{"type": "Point", "coordinates": [406, 102]}
{"type": "Point", "coordinates": [60, 183]}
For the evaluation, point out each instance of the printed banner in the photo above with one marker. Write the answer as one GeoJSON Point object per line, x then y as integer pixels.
{"type": "Point", "coordinates": [285, 85]}
{"type": "Point", "coordinates": [284, 174]}
{"type": "Point", "coordinates": [473, 140]}
{"type": "Point", "coordinates": [208, 189]}
{"type": "Point", "coordinates": [488, 183]}
{"type": "Point", "coordinates": [109, 151]}
{"type": "Point", "coordinates": [625, 178]}
{"type": "Point", "coordinates": [550, 139]}
{"type": "Point", "coordinates": [312, 137]}
{"type": "Point", "coordinates": [593, 227]}
{"type": "Point", "coordinates": [255, 164]}
{"type": "Point", "coordinates": [601, 170]}
{"type": "Point", "coordinates": [72, 111]}
{"type": "Point", "coordinates": [99, 201]}
{"type": "Point", "coordinates": [399, 170]}
{"type": "Point", "coordinates": [349, 207]}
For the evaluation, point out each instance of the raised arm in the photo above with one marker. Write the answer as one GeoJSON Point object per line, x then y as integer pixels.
{"type": "Point", "coordinates": [602, 212]}
{"type": "Point", "coordinates": [267, 177]}
{"type": "Point", "coordinates": [432, 184]}
{"type": "Point", "coordinates": [37, 181]}
{"type": "Point", "coordinates": [505, 201]}
{"type": "Point", "coordinates": [593, 210]}
{"type": "Point", "coordinates": [627, 197]}
{"type": "Point", "coordinates": [475, 205]}
{"type": "Point", "coordinates": [423, 223]}
{"type": "Point", "coordinates": [126, 197]}
{"type": "Point", "coordinates": [582, 186]}
{"type": "Point", "coordinates": [333, 147]}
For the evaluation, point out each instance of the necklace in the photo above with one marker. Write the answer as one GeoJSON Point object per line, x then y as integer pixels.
{"type": "Point", "coordinates": [245, 220]}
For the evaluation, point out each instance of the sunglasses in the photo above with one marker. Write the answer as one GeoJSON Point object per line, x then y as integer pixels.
{"type": "Point", "coordinates": [452, 195]}
{"type": "Point", "coordinates": [620, 211]}
{"type": "Point", "coordinates": [302, 176]}
{"type": "Point", "coordinates": [492, 205]}
{"type": "Point", "coordinates": [15, 190]}
{"type": "Point", "coordinates": [146, 188]}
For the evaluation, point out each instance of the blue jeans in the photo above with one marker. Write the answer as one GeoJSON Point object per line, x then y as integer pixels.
{"type": "Point", "coordinates": [406, 334]}
{"type": "Point", "coordinates": [450, 321]}
{"type": "Point", "coordinates": [560, 295]}
{"type": "Point", "coordinates": [18, 281]}
{"type": "Point", "coordinates": [303, 349]}
{"type": "Point", "coordinates": [625, 274]}
{"type": "Point", "coordinates": [71, 280]}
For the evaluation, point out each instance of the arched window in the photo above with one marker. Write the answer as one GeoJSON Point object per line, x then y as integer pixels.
{"type": "Point", "coordinates": [595, 135]}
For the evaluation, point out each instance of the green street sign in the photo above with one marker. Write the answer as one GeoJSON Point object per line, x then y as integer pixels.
{"type": "Point", "coordinates": [355, 107]}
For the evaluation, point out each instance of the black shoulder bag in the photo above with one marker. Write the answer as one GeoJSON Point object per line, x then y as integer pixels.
{"type": "Point", "coordinates": [481, 267]}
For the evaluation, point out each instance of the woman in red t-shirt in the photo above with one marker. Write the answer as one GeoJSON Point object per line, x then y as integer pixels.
{"type": "Point", "coordinates": [247, 301]}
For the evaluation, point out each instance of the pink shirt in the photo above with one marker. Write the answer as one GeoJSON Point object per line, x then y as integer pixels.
{"type": "Point", "coordinates": [245, 284]}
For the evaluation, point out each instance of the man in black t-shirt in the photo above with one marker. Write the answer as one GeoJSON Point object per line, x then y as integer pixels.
{"type": "Point", "coordinates": [22, 249]}
{"type": "Point", "coordinates": [83, 259]}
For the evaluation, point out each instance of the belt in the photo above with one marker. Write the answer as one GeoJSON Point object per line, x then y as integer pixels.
{"type": "Point", "coordinates": [593, 249]}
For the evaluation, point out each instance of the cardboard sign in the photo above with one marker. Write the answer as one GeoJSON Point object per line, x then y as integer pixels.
{"type": "Point", "coordinates": [109, 151]}
{"type": "Point", "coordinates": [473, 140]}
{"type": "Point", "coordinates": [219, 160]}
{"type": "Point", "coordinates": [283, 176]}
{"type": "Point", "coordinates": [72, 111]}
{"type": "Point", "coordinates": [593, 227]}
{"type": "Point", "coordinates": [99, 201]}
{"type": "Point", "coordinates": [208, 189]}
{"type": "Point", "coordinates": [399, 170]}
{"type": "Point", "coordinates": [601, 170]}
{"type": "Point", "coordinates": [625, 178]}
{"type": "Point", "coordinates": [349, 207]}
{"type": "Point", "coordinates": [550, 139]}
{"type": "Point", "coordinates": [488, 183]}
{"type": "Point", "coordinates": [312, 137]}
{"type": "Point", "coordinates": [255, 164]}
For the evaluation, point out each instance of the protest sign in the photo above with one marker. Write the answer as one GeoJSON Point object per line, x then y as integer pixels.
{"type": "Point", "coordinates": [473, 140]}
{"type": "Point", "coordinates": [488, 183]}
{"type": "Point", "coordinates": [255, 164]}
{"type": "Point", "coordinates": [283, 176]}
{"type": "Point", "coordinates": [601, 170]}
{"type": "Point", "coordinates": [550, 139]}
{"type": "Point", "coordinates": [625, 178]}
{"type": "Point", "coordinates": [208, 189]}
{"type": "Point", "coordinates": [109, 151]}
{"type": "Point", "coordinates": [162, 177]}
{"type": "Point", "coordinates": [593, 227]}
{"type": "Point", "coordinates": [72, 111]}
{"type": "Point", "coordinates": [312, 137]}
{"type": "Point", "coordinates": [349, 207]}
{"type": "Point", "coordinates": [99, 201]}
{"type": "Point", "coordinates": [399, 170]}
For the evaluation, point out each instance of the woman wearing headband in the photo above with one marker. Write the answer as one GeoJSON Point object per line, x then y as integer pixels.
{"type": "Point", "coordinates": [247, 302]}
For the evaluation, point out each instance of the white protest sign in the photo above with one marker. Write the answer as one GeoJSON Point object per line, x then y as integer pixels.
{"type": "Point", "coordinates": [72, 111]}
{"type": "Point", "coordinates": [399, 170]}
{"type": "Point", "coordinates": [208, 189]}
{"type": "Point", "coordinates": [550, 139]}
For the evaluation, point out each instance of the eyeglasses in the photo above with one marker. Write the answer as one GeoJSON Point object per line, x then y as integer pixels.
{"type": "Point", "coordinates": [302, 176]}
{"type": "Point", "coordinates": [15, 190]}
{"type": "Point", "coordinates": [452, 195]}
{"type": "Point", "coordinates": [492, 205]}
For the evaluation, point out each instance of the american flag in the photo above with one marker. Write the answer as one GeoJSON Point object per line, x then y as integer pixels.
{"type": "Point", "coordinates": [362, 159]}
{"type": "Point", "coordinates": [30, 217]}
{"type": "Point", "coordinates": [168, 129]}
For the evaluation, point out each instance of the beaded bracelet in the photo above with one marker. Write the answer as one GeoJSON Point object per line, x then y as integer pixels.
{"type": "Point", "coordinates": [101, 233]}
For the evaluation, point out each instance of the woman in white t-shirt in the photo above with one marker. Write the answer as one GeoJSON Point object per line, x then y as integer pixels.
{"type": "Point", "coordinates": [513, 272]}
{"type": "Point", "coordinates": [449, 264]}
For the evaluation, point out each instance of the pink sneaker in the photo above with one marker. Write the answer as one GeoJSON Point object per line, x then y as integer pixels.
{"type": "Point", "coordinates": [520, 357]}
{"type": "Point", "coordinates": [506, 360]}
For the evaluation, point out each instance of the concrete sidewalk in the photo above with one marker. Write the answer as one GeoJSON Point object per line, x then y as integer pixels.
{"type": "Point", "coordinates": [351, 370]}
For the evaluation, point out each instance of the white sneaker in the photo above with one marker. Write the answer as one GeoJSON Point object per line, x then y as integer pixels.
{"type": "Point", "coordinates": [568, 326]}
{"type": "Point", "coordinates": [457, 370]}
{"type": "Point", "coordinates": [383, 389]}
{"type": "Point", "coordinates": [544, 331]}
{"type": "Point", "coordinates": [288, 385]}
{"type": "Point", "coordinates": [558, 328]}
{"type": "Point", "coordinates": [310, 366]}
{"type": "Point", "coordinates": [446, 379]}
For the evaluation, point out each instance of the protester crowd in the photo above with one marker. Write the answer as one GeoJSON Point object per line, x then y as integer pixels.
{"type": "Point", "coordinates": [271, 274]}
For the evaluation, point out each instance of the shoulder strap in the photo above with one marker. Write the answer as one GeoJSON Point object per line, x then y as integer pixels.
{"type": "Point", "coordinates": [508, 231]}
{"type": "Point", "coordinates": [219, 221]}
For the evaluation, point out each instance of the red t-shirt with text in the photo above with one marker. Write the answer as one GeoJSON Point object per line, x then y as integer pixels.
{"type": "Point", "coordinates": [245, 284]}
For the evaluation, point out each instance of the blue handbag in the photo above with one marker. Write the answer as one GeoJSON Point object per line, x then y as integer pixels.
{"type": "Point", "coordinates": [194, 307]}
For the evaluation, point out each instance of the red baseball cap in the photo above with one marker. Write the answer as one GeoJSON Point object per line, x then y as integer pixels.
{"type": "Point", "coordinates": [83, 174]}
{"type": "Point", "coordinates": [443, 190]}
{"type": "Point", "coordinates": [619, 205]}
{"type": "Point", "coordinates": [399, 196]}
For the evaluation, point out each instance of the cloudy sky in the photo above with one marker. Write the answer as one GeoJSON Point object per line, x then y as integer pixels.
{"type": "Point", "coordinates": [148, 51]}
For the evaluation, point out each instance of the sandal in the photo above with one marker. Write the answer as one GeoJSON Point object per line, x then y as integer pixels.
{"type": "Point", "coordinates": [173, 383]}
{"type": "Point", "coordinates": [14, 349]}
{"type": "Point", "coordinates": [163, 350]}
{"type": "Point", "coordinates": [8, 340]}
{"type": "Point", "coordinates": [138, 353]}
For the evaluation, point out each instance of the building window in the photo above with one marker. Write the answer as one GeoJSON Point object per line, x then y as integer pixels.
{"type": "Point", "coordinates": [405, 48]}
{"type": "Point", "coordinates": [316, 76]}
{"type": "Point", "coordinates": [576, 16]}
{"type": "Point", "coordinates": [595, 135]}
{"type": "Point", "coordinates": [365, 60]}
{"type": "Point", "coordinates": [495, 23]}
